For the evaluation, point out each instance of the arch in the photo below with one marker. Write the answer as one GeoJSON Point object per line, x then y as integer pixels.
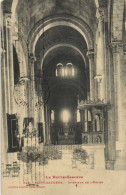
{"type": "Point", "coordinates": [62, 45]}
{"type": "Point", "coordinates": [59, 64]}
{"type": "Point", "coordinates": [50, 22]}
{"type": "Point", "coordinates": [19, 43]}
{"type": "Point", "coordinates": [21, 48]}
{"type": "Point", "coordinates": [69, 64]}
{"type": "Point", "coordinates": [21, 59]}
{"type": "Point", "coordinates": [13, 8]}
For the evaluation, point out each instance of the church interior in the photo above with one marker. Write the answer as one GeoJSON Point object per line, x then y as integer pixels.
{"type": "Point", "coordinates": [63, 83]}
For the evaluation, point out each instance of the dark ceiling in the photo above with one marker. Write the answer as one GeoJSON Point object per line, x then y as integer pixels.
{"type": "Point", "coordinates": [63, 91]}
{"type": "Point", "coordinates": [29, 12]}
{"type": "Point", "coordinates": [60, 35]}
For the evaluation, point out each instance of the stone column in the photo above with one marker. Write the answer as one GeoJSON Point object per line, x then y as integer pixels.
{"type": "Point", "coordinates": [47, 124]}
{"type": "Point", "coordinates": [46, 128]}
{"type": "Point", "coordinates": [40, 114]}
{"type": "Point", "coordinates": [82, 119]}
{"type": "Point", "coordinates": [86, 119]}
{"type": "Point", "coordinates": [90, 55]}
{"type": "Point", "coordinates": [40, 103]}
{"type": "Point", "coordinates": [44, 124]}
{"type": "Point", "coordinates": [21, 58]}
{"type": "Point", "coordinates": [22, 111]}
{"type": "Point", "coordinates": [98, 80]}
{"type": "Point", "coordinates": [9, 47]}
{"type": "Point", "coordinates": [6, 17]}
{"type": "Point", "coordinates": [100, 63]}
{"type": "Point", "coordinates": [96, 89]}
{"type": "Point", "coordinates": [31, 90]}
{"type": "Point", "coordinates": [119, 60]}
{"type": "Point", "coordinates": [110, 124]}
{"type": "Point", "coordinates": [7, 80]}
{"type": "Point", "coordinates": [4, 130]}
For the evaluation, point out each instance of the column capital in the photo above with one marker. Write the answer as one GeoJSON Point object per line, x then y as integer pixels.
{"type": "Point", "coordinates": [3, 51]}
{"type": "Point", "coordinates": [98, 78]}
{"type": "Point", "coordinates": [7, 14]}
{"type": "Point", "coordinates": [8, 17]}
{"type": "Point", "coordinates": [90, 54]}
{"type": "Point", "coordinates": [101, 13]}
{"type": "Point", "coordinates": [32, 57]}
{"type": "Point", "coordinates": [116, 47]}
{"type": "Point", "coordinates": [23, 80]}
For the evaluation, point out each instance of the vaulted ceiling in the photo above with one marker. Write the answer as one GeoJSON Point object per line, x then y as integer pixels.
{"type": "Point", "coordinates": [63, 44]}
{"type": "Point", "coordinates": [30, 12]}
{"type": "Point", "coordinates": [60, 44]}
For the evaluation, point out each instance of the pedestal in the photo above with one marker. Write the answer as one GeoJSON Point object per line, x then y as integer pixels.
{"type": "Point", "coordinates": [97, 151]}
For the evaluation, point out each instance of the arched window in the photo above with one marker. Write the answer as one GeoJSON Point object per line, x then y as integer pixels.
{"type": "Point", "coordinates": [65, 71]}
{"type": "Point", "coordinates": [59, 69]}
{"type": "Point", "coordinates": [52, 116]}
{"type": "Point", "coordinates": [78, 115]}
{"type": "Point", "coordinates": [70, 69]}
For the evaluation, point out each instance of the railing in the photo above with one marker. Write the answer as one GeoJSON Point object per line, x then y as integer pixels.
{"type": "Point", "coordinates": [64, 147]}
{"type": "Point", "coordinates": [93, 138]}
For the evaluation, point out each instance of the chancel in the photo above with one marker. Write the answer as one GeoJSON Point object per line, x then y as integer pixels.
{"type": "Point", "coordinates": [63, 79]}
{"type": "Point", "coordinates": [65, 116]}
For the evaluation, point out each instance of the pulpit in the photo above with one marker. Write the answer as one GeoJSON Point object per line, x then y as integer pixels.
{"type": "Point", "coordinates": [94, 121]}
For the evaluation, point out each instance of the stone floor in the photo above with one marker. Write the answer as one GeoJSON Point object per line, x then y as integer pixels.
{"type": "Point", "coordinates": [65, 170]}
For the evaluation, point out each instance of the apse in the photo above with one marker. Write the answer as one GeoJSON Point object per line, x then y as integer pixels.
{"type": "Point", "coordinates": [65, 116]}
{"type": "Point", "coordinates": [62, 70]}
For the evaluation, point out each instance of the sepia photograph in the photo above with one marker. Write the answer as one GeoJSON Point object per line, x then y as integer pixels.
{"type": "Point", "coordinates": [63, 97]}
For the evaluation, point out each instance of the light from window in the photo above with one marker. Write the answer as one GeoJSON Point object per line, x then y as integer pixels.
{"type": "Point", "coordinates": [65, 71]}
{"type": "Point", "coordinates": [78, 115]}
{"type": "Point", "coordinates": [65, 116]}
{"type": "Point", "coordinates": [52, 116]}
{"type": "Point", "coordinates": [73, 72]}
{"type": "Point", "coordinates": [59, 69]}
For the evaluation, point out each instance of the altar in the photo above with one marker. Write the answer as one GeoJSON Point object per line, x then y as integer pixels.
{"type": "Point", "coordinates": [66, 135]}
